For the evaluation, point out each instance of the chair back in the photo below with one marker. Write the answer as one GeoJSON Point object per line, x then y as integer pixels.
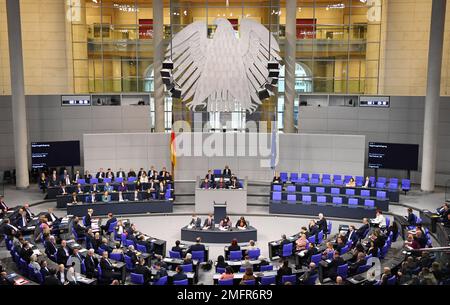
{"type": "Point", "coordinates": [198, 255]}
{"type": "Point", "coordinates": [250, 282]}
{"type": "Point", "coordinates": [287, 250]}
{"type": "Point", "coordinates": [220, 270]}
{"type": "Point", "coordinates": [141, 248]}
{"type": "Point", "coordinates": [350, 192]}
{"type": "Point", "coordinates": [362, 269]}
{"type": "Point", "coordinates": [292, 197]}
{"type": "Point", "coordinates": [137, 278]}
{"type": "Point", "coordinates": [276, 196]}
{"type": "Point", "coordinates": [320, 237]}
{"type": "Point", "coordinates": [321, 199]}
{"type": "Point", "coordinates": [344, 250]}
{"type": "Point", "coordinates": [305, 189]}
{"type": "Point", "coordinates": [392, 280]}
{"type": "Point", "coordinates": [112, 226]}
{"type": "Point", "coordinates": [294, 177]}
{"type": "Point", "coordinates": [337, 200]}
{"type": "Point", "coordinates": [291, 188]}
{"type": "Point", "coordinates": [329, 226]}
{"type": "Point", "coordinates": [316, 258]}
{"type": "Point", "coordinates": [266, 268]}
{"type": "Point", "coordinates": [254, 253]}
{"type": "Point", "coordinates": [289, 278]}
{"type": "Point", "coordinates": [236, 255]}
{"type": "Point", "coordinates": [128, 263]}
{"type": "Point", "coordinates": [320, 189]}
{"type": "Point", "coordinates": [342, 271]}
{"type": "Point", "coordinates": [181, 283]}
{"type": "Point", "coordinates": [174, 254]}
{"type": "Point", "coordinates": [162, 281]}
{"type": "Point", "coordinates": [276, 187]}
{"type": "Point", "coordinates": [227, 282]}
{"type": "Point", "coordinates": [188, 268]}
{"type": "Point", "coordinates": [268, 280]}
{"type": "Point", "coordinates": [306, 198]}
{"type": "Point", "coordinates": [116, 256]}
{"type": "Point", "coordinates": [312, 279]}
{"type": "Point", "coordinates": [283, 176]}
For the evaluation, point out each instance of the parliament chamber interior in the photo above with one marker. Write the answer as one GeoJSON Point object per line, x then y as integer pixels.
{"type": "Point", "coordinates": [224, 143]}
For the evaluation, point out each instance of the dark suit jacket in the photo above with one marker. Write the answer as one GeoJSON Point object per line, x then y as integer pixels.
{"type": "Point", "coordinates": [109, 222]}
{"type": "Point", "coordinates": [107, 269]}
{"type": "Point", "coordinates": [210, 177]}
{"type": "Point", "coordinates": [51, 280]}
{"type": "Point", "coordinates": [196, 222]}
{"type": "Point", "coordinates": [58, 276]}
{"type": "Point", "coordinates": [87, 220]}
{"type": "Point", "coordinates": [26, 254]}
{"type": "Point", "coordinates": [123, 174]}
{"type": "Point", "coordinates": [234, 248]}
{"type": "Point", "coordinates": [284, 271]}
{"type": "Point", "coordinates": [131, 174]}
{"type": "Point", "coordinates": [196, 247]}
{"type": "Point", "coordinates": [332, 267]}
{"type": "Point", "coordinates": [50, 249]}
{"type": "Point", "coordinates": [361, 230]}
{"type": "Point", "coordinates": [226, 172]}
{"type": "Point", "coordinates": [179, 277]}
{"type": "Point", "coordinates": [322, 224]}
{"type": "Point", "coordinates": [209, 223]}
{"type": "Point", "coordinates": [133, 257]}
{"type": "Point", "coordinates": [177, 249]}
{"type": "Point", "coordinates": [61, 256]}
{"type": "Point", "coordinates": [21, 223]}
{"type": "Point", "coordinates": [90, 263]}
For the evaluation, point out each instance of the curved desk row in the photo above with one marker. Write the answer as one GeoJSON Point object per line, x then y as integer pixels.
{"type": "Point", "coordinates": [217, 236]}
{"type": "Point", "coordinates": [392, 194]}
{"type": "Point", "coordinates": [382, 204]}
{"type": "Point", "coordinates": [125, 207]}
{"type": "Point", "coordinates": [328, 210]}
{"type": "Point", "coordinates": [54, 191]}
{"type": "Point", "coordinates": [63, 200]}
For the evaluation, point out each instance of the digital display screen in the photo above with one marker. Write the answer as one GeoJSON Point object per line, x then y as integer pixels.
{"type": "Point", "coordinates": [374, 101]}
{"type": "Point", "coordinates": [63, 153]}
{"type": "Point", "coordinates": [75, 100]}
{"type": "Point", "coordinates": [393, 155]}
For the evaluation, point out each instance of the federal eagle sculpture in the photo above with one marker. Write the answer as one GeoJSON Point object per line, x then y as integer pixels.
{"type": "Point", "coordinates": [224, 73]}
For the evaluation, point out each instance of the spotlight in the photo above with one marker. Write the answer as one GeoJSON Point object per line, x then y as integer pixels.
{"type": "Point", "coordinates": [272, 80]}
{"type": "Point", "coordinates": [263, 94]}
{"type": "Point", "coordinates": [271, 65]}
{"type": "Point", "coordinates": [274, 73]}
{"type": "Point", "coordinates": [175, 93]}
{"type": "Point", "coordinates": [167, 80]}
{"type": "Point", "coordinates": [166, 73]}
{"type": "Point", "coordinates": [167, 64]}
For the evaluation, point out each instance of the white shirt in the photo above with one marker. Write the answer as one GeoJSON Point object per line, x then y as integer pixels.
{"type": "Point", "coordinates": [380, 220]}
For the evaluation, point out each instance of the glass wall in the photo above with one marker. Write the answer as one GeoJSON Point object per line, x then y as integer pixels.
{"type": "Point", "coordinates": [338, 44]}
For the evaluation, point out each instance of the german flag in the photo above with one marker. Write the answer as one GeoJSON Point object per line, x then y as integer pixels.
{"type": "Point", "coordinates": [173, 155]}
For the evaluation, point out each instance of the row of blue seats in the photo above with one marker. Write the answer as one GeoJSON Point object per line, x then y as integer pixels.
{"type": "Point", "coordinates": [307, 199]}
{"type": "Point", "coordinates": [334, 191]}
{"type": "Point", "coordinates": [327, 179]}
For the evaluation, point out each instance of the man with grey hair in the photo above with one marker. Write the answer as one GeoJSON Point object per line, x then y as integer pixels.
{"type": "Point", "coordinates": [75, 261]}
{"type": "Point", "coordinates": [90, 263]}
{"type": "Point", "coordinates": [131, 253]}
{"type": "Point", "coordinates": [307, 277]}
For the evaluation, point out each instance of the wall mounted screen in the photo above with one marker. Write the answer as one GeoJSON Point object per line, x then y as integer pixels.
{"type": "Point", "coordinates": [63, 153]}
{"type": "Point", "coordinates": [393, 155]}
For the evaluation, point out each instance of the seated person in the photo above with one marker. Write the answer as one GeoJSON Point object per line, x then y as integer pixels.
{"type": "Point", "coordinates": [108, 268]}
{"type": "Point", "coordinates": [121, 197]}
{"type": "Point", "coordinates": [94, 188]}
{"type": "Point", "coordinates": [122, 187]}
{"type": "Point", "coordinates": [328, 249]}
{"type": "Point", "coordinates": [444, 211]}
{"type": "Point", "coordinates": [136, 196]}
{"type": "Point", "coordinates": [366, 183]}
{"type": "Point", "coordinates": [300, 243]}
{"type": "Point", "coordinates": [312, 270]}
{"type": "Point", "coordinates": [106, 197]}
{"type": "Point", "coordinates": [179, 275]}
{"type": "Point", "coordinates": [146, 243]}
{"type": "Point", "coordinates": [177, 248]}
{"type": "Point", "coordinates": [79, 189]}
{"type": "Point", "coordinates": [205, 184]}
{"type": "Point", "coordinates": [340, 243]}
{"type": "Point", "coordinates": [379, 221]}
{"type": "Point", "coordinates": [284, 270]}
{"type": "Point", "coordinates": [153, 173]}
{"type": "Point", "coordinates": [91, 198]}
{"type": "Point", "coordinates": [198, 246]}
{"type": "Point", "coordinates": [248, 276]}
{"type": "Point", "coordinates": [221, 184]}
{"type": "Point", "coordinates": [141, 171]}
{"type": "Point", "coordinates": [152, 185]}
{"type": "Point", "coordinates": [108, 188]}
{"type": "Point", "coordinates": [225, 223]}
{"type": "Point", "coordinates": [74, 198]}
{"type": "Point", "coordinates": [131, 253]}
{"type": "Point", "coordinates": [221, 263]}
{"type": "Point", "coordinates": [141, 268]}
{"type": "Point", "coordinates": [241, 223]}
{"type": "Point", "coordinates": [360, 261]}
{"type": "Point", "coordinates": [209, 223]}
{"type": "Point", "coordinates": [160, 271]}
{"type": "Point", "coordinates": [131, 173]}
{"type": "Point", "coordinates": [143, 178]}
{"type": "Point", "coordinates": [78, 228]}
{"type": "Point", "coordinates": [188, 259]}
{"type": "Point", "coordinates": [120, 173]}
{"type": "Point", "coordinates": [234, 183]}
{"type": "Point", "coordinates": [251, 245]}
{"type": "Point", "coordinates": [276, 179]}
{"type": "Point", "coordinates": [195, 222]}
{"type": "Point", "coordinates": [162, 189]}
{"type": "Point", "coordinates": [234, 246]}
{"type": "Point", "coordinates": [228, 274]}
{"type": "Point", "coordinates": [210, 176]}
{"type": "Point", "coordinates": [109, 174]}
{"type": "Point", "coordinates": [351, 183]}
{"type": "Point", "coordinates": [313, 228]}
{"type": "Point", "coordinates": [226, 171]}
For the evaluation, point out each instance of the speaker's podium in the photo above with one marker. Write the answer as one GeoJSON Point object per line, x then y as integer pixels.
{"type": "Point", "coordinates": [220, 211]}
{"type": "Point", "coordinates": [236, 199]}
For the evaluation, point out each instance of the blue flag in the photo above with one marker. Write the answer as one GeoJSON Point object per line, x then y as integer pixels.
{"type": "Point", "coordinates": [273, 148]}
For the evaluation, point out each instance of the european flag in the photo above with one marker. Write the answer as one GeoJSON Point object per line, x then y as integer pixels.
{"type": "Point", "coordinates": [273, 148]}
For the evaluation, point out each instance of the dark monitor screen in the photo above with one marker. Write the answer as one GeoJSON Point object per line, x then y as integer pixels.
{"type": "Point", "coordinates": [393, 155]}
{"type": "Point", "coordinates": [63, 153]}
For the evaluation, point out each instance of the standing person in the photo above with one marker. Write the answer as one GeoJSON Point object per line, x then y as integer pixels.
{"type": "Point", "coordinates": [322, 224]}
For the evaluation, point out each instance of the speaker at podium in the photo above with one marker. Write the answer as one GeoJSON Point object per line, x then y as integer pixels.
{"type": "Point", "coordinates": [220, 211]}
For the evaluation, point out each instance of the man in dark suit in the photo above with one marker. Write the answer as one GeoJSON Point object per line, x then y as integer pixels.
{"type": "Point", "coordinates": [322, 224]}
{"type": "Point", "coordinates": [9, 229]}
{"type": "Point", "coordinates": [160, 271]}
{"type": "Point", "coordinates": [162, 174]}
{"type": "Point", "coordinates": [141, 171]}
{"type": "Point", "coordinates": [109, 174]}
{"type": "Point", "coordinates": [180, 275]}
{"type": "Point", "coordinates": [195, 222]}
{"type": "Point", "coordinates": [312, 270]}
{"type": "Point", "coordinates": [88, 218]}
{"type": "Point", "coordinates": [197, 246]}
{"type": "Point", "coordinates": [51, 279]}
{"type": "Point", "coordinates": [22, 220]}
{"type": "Point", "coordinates": [61, 275]}
{"type": "Point", "coordinates": [131, 253]}
{"type": "Point", "coordinates": [141, 268]}
{"type": "Point", "coordinates": [146, 243]}
{"type": "Point", "coordinates": [209, 223]}
{"type": "Point", "coordinates": [334, 264]}
{"type": "Point", "coordinates": [63, 253]}
{"type": "Point", "coordinates": [111, 219]}
{"type": "Point", "coordinates": [226, 171]}
{"type": "Point", "coordinates": [153, 173]}
{"type": "Point", "coordinates": [131, 173]}
{"type": "Point", "coordinates": [79, 229]}
{"type": "Point", "coordinates": [362, 229]}
{"type": "Point", "coordinates": [411, 218]}
{"type": "Point", "coordinates": [77, 176]}
{"type": "Point", "coordinates": [51, 217]}
{"type": "Point", "coordinates": [121, 174]}
{"type": "Point", "coordinates": [210, 176]}
{"type": "Point", "coordinates": [100, 174]}
{"type": "Point", "coordinates": [221, 184]}
{"type": "Point", "coordinates": [50, 246]}
{"type": "Point", "coordinates": [360, 261]}
{"type": "Point", "coordinates": [26, 252]}
{"type": "Point", "coordinates": [90, 262]}
{"type": "Point", "coordinates": [313, 229]}
{"type": "Point", "coordinates": [108, 268]}
{"type": "Point", "coordinates": [3, 207]}
{"type": "Point", "coordinates": [177, 247]}
{"type": "Point", "coordinates": [45, 271]}
{"type": "Point", "coordinates": [352, 235]}
{"type": "Point", "coordinates": [284, 270]}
